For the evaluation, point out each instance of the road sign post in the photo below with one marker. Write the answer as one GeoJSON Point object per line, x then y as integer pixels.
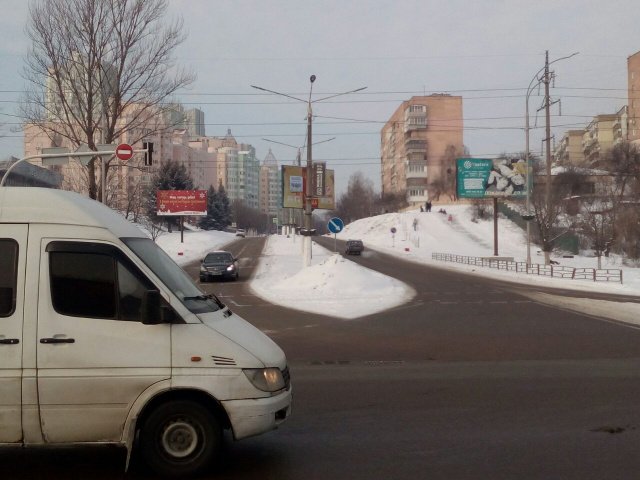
{"type": "Point", "coordinates": [335, 226]}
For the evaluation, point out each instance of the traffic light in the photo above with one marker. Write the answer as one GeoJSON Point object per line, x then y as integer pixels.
{"type": "Point", "coordinates": [148, 156]}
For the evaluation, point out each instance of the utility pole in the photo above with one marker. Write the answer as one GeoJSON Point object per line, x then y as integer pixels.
{"type": "Point", "coordinates": [308, 220]}
{"type": "Point", "coordinates": [547, 114]}
{"type": "Point", "coordinates": [535, 81]}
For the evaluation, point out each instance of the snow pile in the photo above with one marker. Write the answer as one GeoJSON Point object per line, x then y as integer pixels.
{"type": "Point", "coordinates": [332, 285]}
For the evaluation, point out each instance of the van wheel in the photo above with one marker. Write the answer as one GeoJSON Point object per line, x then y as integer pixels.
{"type": "Point", "coordinates": [180, 438]}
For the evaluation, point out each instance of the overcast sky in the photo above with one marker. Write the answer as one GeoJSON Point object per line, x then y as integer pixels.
{"type": "Point", "coordinates": [486, 51]}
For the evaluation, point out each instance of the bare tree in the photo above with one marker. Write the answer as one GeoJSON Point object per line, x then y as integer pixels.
{"type": "Point", "coordinates": [98, 69]}
{"type": "Point", "coordinates": [548, 209]}
{"type": "Point", "coordinates": [359, 199]}
{"type": "Point", "coordinates": [623, 161]}
{"type": "Point", "coordinates": [392, 202]}
{"type": "Point", "coordinates": [134, 202]}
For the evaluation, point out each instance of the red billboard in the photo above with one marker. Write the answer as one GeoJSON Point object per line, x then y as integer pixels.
{"type": "Point", "coordinates": [181, 202]}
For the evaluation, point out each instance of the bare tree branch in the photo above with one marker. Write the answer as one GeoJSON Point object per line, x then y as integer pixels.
{"type": "Point", "coordinates": [100, 69]}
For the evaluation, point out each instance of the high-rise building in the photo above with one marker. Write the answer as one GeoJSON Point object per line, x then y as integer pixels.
{"type": "Point", "coordinates": [270, 186]}
{"type": "Point", "coordinates": [194, 122]}
{"type": "Point", "coordinates": [633, 72]}
{"type": "Point", "coordinates": [419, 145]}
{"type": "Point", "coordinates": [71, 84]}
{"type": "Point", "coordinates": [238, 169]}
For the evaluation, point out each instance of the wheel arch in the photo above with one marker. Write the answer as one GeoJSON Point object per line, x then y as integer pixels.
{"type": "Point", "coordinates": [197, 396]}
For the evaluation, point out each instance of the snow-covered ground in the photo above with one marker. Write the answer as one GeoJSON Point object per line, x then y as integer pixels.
{"type": "Point", "coordinates": [435, 233]}
{"type": "Point", "coordinates": [342, 289]}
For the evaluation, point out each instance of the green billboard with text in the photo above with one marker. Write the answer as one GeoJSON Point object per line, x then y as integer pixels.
{"type": "Point", "coordinates": [486, 178]}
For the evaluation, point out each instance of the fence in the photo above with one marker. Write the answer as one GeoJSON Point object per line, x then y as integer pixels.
{"type": "Point", "coordinates": [555, 271]}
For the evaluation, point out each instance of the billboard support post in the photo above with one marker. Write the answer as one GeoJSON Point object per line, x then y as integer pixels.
{"type": "Point", "coordinates": [486, 178]}
{"type": "Point", "coordinates": [495, 226]}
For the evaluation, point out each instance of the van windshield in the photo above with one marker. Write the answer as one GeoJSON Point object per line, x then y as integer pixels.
{"type": "Point", "coordinates": [173, 276]}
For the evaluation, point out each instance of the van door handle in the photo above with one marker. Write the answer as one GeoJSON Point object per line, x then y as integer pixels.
{"type": "Point", "coordinates": [9, 341]}
{"type": "Point", "coordinates": [57, 340]}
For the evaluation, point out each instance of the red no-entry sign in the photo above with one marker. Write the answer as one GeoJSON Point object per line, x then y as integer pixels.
{"type": "Point", "coordinates": [124, 151]}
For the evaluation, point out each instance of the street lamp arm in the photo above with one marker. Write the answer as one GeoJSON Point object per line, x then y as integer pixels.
{"type": "Point", "coordinates": [293, 146]}
{"type": "Point", "coordinates": [278, 93]}
{"type": "Point", "coordinates": [280, 143]}
{"type": "Point", "coordinates": [535, 77]}
{"type": "Point", "coordinates": [339, 94]}
{"type": "Point", "coordinates": [323, 141]}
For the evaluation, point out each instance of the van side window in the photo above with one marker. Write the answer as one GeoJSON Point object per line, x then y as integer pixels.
{"type": "Point", "coordinates": [96, 281]}
{"type": "Point", "coordinates": [9, 277]}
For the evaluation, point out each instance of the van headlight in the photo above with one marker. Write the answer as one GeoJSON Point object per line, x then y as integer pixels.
{"type": "Point", "coordinates": [265, 379]}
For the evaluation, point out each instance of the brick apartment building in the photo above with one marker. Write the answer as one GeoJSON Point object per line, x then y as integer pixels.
{"type": "Point", "coordinates": [419, 145]}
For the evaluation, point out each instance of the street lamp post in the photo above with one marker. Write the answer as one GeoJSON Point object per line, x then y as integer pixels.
{"type": "Point", "coordinates": [309, 167]}
{"type": "Point", "coordinates": [298, 159]}
{"type": "Point", "coordinates": [538, 80]}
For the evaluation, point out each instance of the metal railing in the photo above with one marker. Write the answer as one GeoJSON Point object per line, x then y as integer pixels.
{"type": "Point", "coordinates": [553, 271]}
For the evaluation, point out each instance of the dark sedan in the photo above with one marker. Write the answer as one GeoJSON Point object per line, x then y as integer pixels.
{"type": "Point", "coordinates": [219, 264]}
{"type": "Point", "coordinates": [354, 247]}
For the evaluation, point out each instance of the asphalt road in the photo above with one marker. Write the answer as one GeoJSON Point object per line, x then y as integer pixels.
{"type": "Point", "coordinates": [469, 380]}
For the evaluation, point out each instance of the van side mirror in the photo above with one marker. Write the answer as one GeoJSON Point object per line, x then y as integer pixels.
{"type": "Point", "coordinates": [154, 309]}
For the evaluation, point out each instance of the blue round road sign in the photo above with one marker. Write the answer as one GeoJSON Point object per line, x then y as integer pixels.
{"type": "Point", "coordinates": [335, 225]}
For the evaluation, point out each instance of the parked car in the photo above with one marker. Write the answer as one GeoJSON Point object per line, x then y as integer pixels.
{"type": "Point", "coordinates": [354, 247]}
{"type": "Point", "coordinates": [240, 232]}
{"type": "Point", "coordinates": [219, 264]}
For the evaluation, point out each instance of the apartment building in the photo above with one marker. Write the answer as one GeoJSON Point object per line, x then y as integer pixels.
{"type": "Point", "coordinates": [419, 144]}
{"type": "Point", "coordinates": [238, 169]}
{"type": "Point", "coordinates": [589, 146]}
{"type": "Point", "coordinates": [569, 151]}
{"type": "Point", "coordinates": [127, 179]}
{"type": "Point", "coordinates": [270, 186]}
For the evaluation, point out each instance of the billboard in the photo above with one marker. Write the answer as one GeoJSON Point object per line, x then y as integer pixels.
{"type": "Point", "coordinates": [181, 202]}
{"type": "Point", "coordinates": [486, 178]}
{"type": "Point", "coordinates": [294, 181]}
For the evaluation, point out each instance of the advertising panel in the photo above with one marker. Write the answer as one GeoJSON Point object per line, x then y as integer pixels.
{"type": "Point", "coordinates": [181, 202]}
{"type": "Point", "coordinates": [319, 170]}
{"type": "Point", "coordinates": [487, 178]}
{"type": "Point", "coordinates": [294, 181]}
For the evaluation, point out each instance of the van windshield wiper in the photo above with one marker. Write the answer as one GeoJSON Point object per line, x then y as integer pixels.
{"type": "Point", "coordinates": [209, 296]}
{"type": "Point", "coordinates": [199, 297]}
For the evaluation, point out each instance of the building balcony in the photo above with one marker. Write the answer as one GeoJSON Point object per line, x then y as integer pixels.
{"type": "Point", "coordinates": [415, 146]}
{"type": "Point", "coordinates": [417, 197]}
{"type": "Point", "coordinates": [416, 171]}
{"type": "Point", "coordinates": [590, 147]}
{"type": "Point", "coordinates": [415, 117]}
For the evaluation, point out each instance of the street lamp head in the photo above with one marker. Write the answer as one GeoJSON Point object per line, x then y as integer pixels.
{"type": "Point", "coordinates": [312, 78]}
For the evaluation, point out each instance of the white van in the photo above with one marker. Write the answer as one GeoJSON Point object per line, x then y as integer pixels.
{"type": "Point", "coordinates": [104, 339]}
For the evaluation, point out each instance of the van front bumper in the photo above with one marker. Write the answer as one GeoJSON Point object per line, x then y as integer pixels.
{"type": "Point", "coordinates": [259, 415]}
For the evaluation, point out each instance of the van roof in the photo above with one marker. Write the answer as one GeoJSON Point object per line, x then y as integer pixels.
{"type": "Point", "coordinates": [47, 205]}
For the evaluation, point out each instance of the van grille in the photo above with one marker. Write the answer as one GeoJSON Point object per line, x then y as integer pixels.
{"type": "Point", "coordinates": [223, 361]}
